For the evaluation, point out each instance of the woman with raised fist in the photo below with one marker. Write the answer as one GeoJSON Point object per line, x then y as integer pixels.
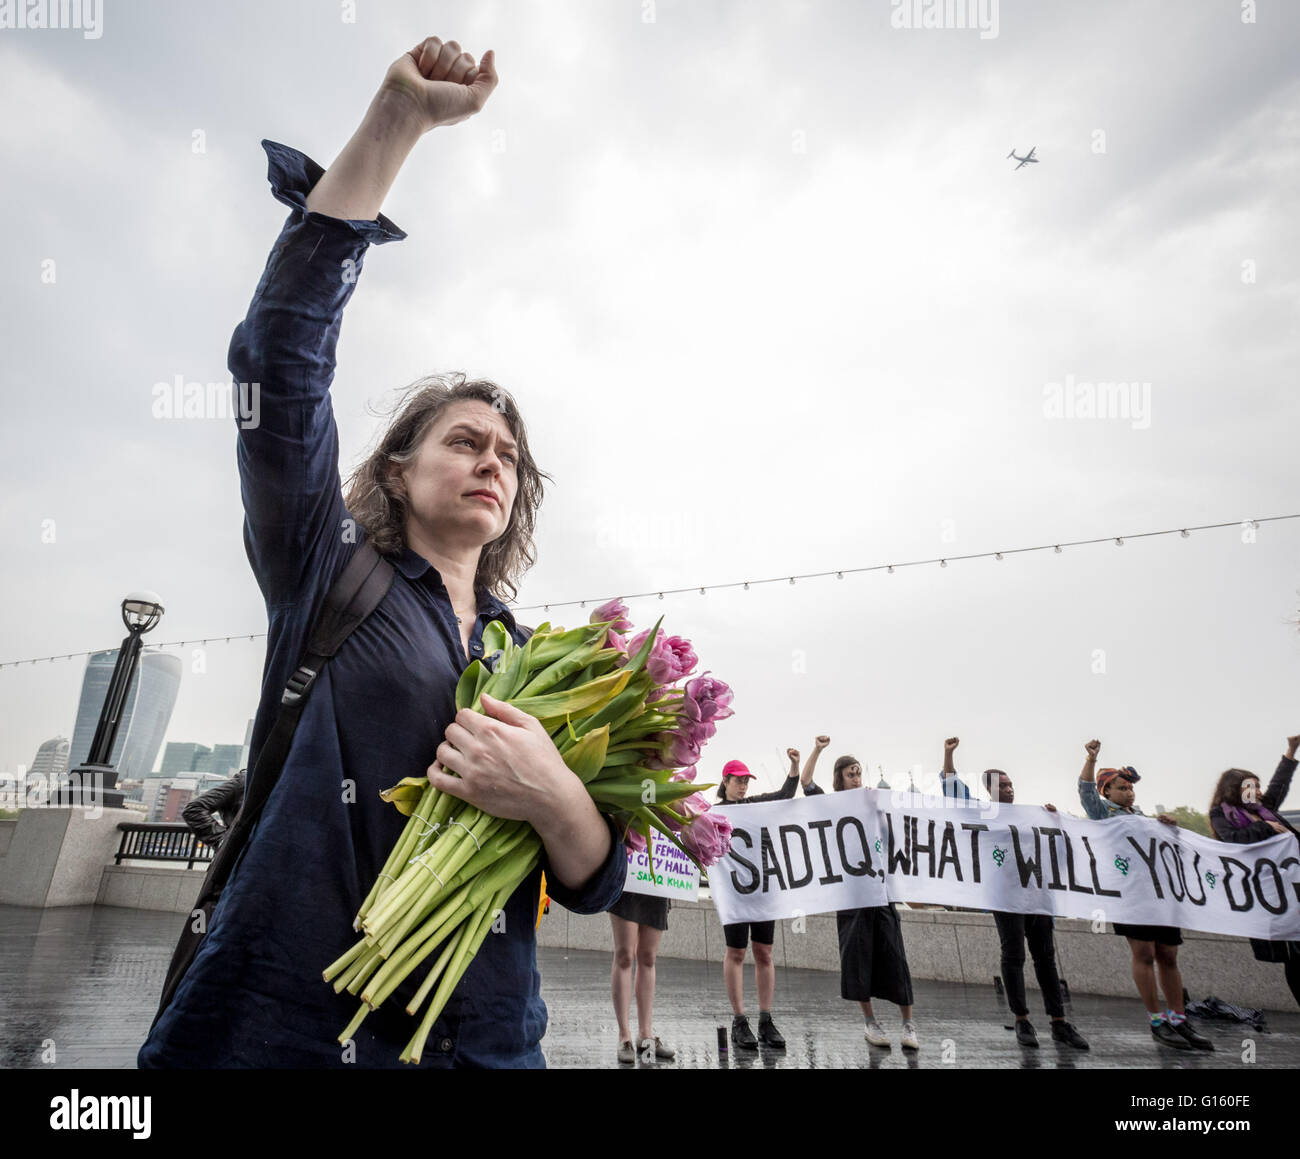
{"type": "Point", "coordinates": [449, 498]}
{"type": "Point", "coordinates": [1242, 812]}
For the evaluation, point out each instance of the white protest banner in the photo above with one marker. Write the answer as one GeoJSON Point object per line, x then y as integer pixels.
{"type": "Point", "coordinates": [866, 847]}
{"type": "Point", "coordinates": [674, 875]}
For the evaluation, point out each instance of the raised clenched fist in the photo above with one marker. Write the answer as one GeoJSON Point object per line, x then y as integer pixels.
{"type": "Point", "coordinates": [442, 83]}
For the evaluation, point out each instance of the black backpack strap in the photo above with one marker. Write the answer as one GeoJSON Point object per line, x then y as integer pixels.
{"type": "Point", "coordinates": [355, 594]}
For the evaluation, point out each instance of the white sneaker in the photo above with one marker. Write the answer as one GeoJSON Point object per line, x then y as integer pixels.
{"type": "Point", "coordinates": [654, 1048]}
{"type": "Point", "coordinates": [876, 1035]}
{"type": "Point", "coordinates": [909, 1036]}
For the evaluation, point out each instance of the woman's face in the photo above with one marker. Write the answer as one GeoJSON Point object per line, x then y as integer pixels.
{"type": "Point", "coordinates": [1250, 791]}
{"type": "Point", "coordinates": [1121, 793]}
{"type": "Point", "coordinates": [851, 776]}
{"type": "Point", "coordinates": [468, 449]}
{"type": "Point", "coordinates": [736, 787]}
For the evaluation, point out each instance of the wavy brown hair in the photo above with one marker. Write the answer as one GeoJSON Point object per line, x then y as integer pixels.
{"type": "Point", "coordinates": [377, 499]}
{"type": "Point", "coordinates": [1228, 790]}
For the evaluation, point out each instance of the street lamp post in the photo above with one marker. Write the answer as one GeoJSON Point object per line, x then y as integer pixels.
{"type": "Point", "coordinates": [94, 780]}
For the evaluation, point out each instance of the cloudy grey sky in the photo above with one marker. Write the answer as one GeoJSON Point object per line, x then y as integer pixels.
{"type": "Point", "coordinates": [771, 258]}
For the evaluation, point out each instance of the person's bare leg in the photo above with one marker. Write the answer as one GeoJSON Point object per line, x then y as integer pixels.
{"type": "Point", "coordinates": [647, 949]}
{"type": "Point", "coordinates": [765, 975]}
{"type": "Point", "coordinates": [1170, 976]}
{"type": "Point", "coordinates": [733, 973]}
{"type": "Point", "coordinates": [866, 1009]}
{"type": "Point", "coordinates": [1144, 975]}
{"type": "Point", "coordinates": [620, 978]}
{"type": "Point", "coordinates": [906, 1012]}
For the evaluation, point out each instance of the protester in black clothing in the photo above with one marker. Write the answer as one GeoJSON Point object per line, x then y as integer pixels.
{"type": "Point", "coordinates": [1240, 813]}
{"type": "Point", "coordinates": [734, 790]}
{"type": "Point", "coordinates": [210, 815]}
{"type": "Point", "coordinates": [873, 960]}
{"type": "Point", "coordinates": [1014, 930]}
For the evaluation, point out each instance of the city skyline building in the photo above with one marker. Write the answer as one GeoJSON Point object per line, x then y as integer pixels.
{"type": "Point", "coordinates": [226, 760]}
{"type": "Point", "coordinates": [51, 760]}
{"type": "Point", "coordinates": [146, 710]}
{"type": "Point", "coordinates": [184, 757]}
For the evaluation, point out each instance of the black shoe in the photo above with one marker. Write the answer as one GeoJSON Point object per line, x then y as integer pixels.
{"type": "Point", "coordinates": [743, 1037]}
{"type": "Point", "coordinates": [1065, 1032]}
{"type": "Point", "coordinates": [1197, 1040]}
{"type": "Point", "coordinates": [1025, 1033]}
{"type": "Point", "coordinates": [1162, 1032]}
{"type": "Point", "coordinates": [768, 1034]}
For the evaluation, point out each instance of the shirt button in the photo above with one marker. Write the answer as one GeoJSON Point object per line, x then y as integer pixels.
{"type": "Point", "coordinates": [445, 1045]}
{"type": "Point", "coordinates": [476, 647]}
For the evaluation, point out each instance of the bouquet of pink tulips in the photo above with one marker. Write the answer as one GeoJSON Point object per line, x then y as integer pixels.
{"type": "Point", "coordinates": [613, 708]}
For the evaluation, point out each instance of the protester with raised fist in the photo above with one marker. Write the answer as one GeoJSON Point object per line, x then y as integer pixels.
{"type": "Point", "coordinates": [1153, 949]}
{"type": "Point", "coordinates": [450, 498]}
{"type": "Point", "coordinates": [734, 790]}
{"type": "Point", "coordinates": [873, 960]}
{"type": "Point", "coordinates": [1240, 813]}
{"type": "Point", "coordinates": [1015, 929]}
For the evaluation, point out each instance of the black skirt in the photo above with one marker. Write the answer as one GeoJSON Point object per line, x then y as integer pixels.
{"type": "Point", "coordinates": [1161, 935]}
{"type": "Point", "coordinates": [1274, 951]}
{"type": "Point", "coordinates": [873, 963]}
{"type": "Point", "coordinates": [643, 908]}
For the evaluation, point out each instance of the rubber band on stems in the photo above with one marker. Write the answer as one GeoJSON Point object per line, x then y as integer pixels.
{"type": "Point", "coordinates": [467, 830]}
{"type": "Point", "coordinates": [425, 865]}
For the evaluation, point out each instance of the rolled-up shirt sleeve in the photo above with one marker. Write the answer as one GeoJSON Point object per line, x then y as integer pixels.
{"type": "Point", "coordinates": [1090, 799]}
{"type": "Point", "coordinates": [282, 359]}
{"type": "Point", "coordinates": [602, 889]}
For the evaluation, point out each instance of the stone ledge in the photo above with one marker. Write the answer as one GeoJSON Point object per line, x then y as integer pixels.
{"type": "Point", "coordinates": [165, 888]}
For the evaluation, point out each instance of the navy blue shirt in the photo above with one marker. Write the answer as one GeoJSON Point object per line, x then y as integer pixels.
{"type": "Point", "coordinates": [377, 713]}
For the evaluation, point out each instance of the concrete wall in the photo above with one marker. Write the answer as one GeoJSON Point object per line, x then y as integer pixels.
{"type": "Point", "coordinates": [150, 886]}
{"type": "Point", "coordinates": [55, 856]}
{"type": "Point", "coordinates": [6, 833]}
{"type": "Point", "coordinates": [959, 947]}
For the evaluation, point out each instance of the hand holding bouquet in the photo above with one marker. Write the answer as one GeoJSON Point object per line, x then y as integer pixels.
{"type": "Point", "coordinates": [612, 709]}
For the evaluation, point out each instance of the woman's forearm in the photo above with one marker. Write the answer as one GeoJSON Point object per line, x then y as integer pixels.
{"type": "Point", "coordinates": [354, 187]}
{"type": "Point", "coordinates": [809, 765]}
{"type": "Point", "coordinates": [576, 838]}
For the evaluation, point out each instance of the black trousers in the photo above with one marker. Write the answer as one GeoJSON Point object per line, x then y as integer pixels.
{"type": "Point", "coordinates": [1015, 930]}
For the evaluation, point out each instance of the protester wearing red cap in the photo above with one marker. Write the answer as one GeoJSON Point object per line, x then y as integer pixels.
{"type": "Point", "coordinates": [1154, 949]}
{"type": "Point", "coordinates": [734, 790]}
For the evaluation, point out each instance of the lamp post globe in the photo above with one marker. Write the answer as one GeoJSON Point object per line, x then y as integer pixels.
{"type": "Point", "coordinates": [141, 611]}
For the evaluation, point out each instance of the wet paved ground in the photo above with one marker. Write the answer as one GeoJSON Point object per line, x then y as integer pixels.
{"type": "Point", "coordinates": [87, 978]}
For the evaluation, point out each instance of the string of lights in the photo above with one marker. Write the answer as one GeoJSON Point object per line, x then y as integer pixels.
{"type": "Point", "coordinates": [745, 585]}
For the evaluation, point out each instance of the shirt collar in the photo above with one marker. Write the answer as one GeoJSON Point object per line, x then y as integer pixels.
{"type": "Point", "coordinates": [415, 567]}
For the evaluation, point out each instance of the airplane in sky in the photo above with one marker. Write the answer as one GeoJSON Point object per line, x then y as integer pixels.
{"type": "Point", "coordinates": [1027, 159]}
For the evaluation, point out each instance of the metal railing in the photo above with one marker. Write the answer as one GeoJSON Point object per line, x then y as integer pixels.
{"type": "Point", "coordinates": [166, 842]}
